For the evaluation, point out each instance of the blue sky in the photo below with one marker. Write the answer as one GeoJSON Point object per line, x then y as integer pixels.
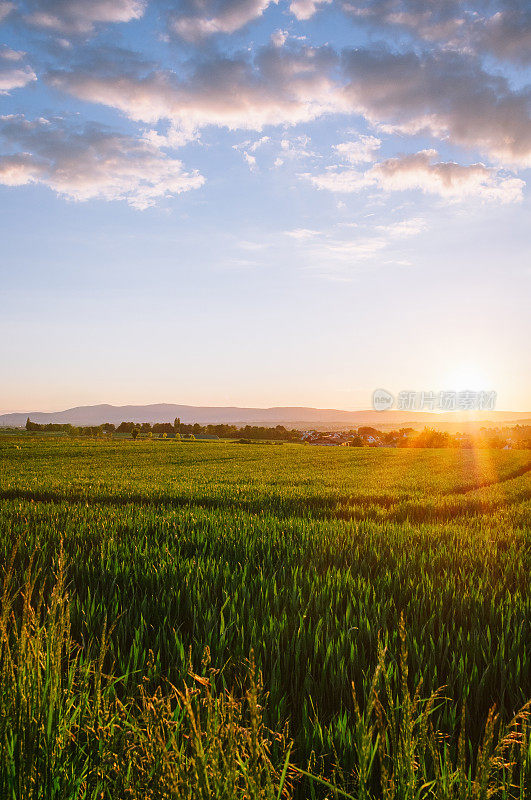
{"type": "Point", "coordinates": [257, 203]}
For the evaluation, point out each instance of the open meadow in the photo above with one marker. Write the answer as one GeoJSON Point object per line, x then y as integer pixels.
{"type": "Point", "coordinates": [136, 568]}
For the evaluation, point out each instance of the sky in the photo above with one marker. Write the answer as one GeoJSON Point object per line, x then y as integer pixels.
{"type": "Point", "coordinates": [260, 203]}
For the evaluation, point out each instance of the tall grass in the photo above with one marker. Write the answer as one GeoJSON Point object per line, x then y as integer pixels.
{"type": "Point", "coordinates": [67, 732]}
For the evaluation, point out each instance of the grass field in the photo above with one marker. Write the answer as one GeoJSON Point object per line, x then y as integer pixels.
{"type": "Point", "coordinates": [305, 557]}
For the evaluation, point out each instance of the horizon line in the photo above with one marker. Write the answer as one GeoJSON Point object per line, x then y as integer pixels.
{"type": "Point", "coordinates": [362, 409]}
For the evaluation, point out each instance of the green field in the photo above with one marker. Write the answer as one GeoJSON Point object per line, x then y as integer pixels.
{"type": "Point", "coordinates": [306, 557]}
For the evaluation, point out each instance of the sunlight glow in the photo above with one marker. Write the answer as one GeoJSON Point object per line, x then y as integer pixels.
{"type": "Point", "coordinates": [468, 376]}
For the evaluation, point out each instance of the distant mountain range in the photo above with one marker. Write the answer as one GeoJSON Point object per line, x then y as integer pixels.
{"type": "Point", "coordinates": [290, 416]}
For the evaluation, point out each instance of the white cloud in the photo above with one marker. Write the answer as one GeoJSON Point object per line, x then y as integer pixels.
{"type": "Point", "coordinates": [91, 163]}
{"type": "Point", "coordinates": [405, 228]}
{"type": "Point", "coordinates": [209, 18]}
{"type": "Point", "coordinates": [339, 180]}
{"type": "Point", "coordinates": [278, 38]}
{"type": "Point", "coordinates": [446, 179]}
{"type": "Point", "coordinates": [174, 137]}
{"type": "Point", "coordinates": [296, 147]}
{"type": "Point", "coordinates": [279, 88]}
{"type": "Point", "coordinates": [302, 234]}
{"type": "Point", "coordinates": [418, 171]}
{"type": "Point", "coordinates": [259, 143]}
{"type": "Point", "coordinates": [248, 147]}
{"type": "Point", "coordinates": [250, 161]}
{"type": "Point", "coordinates": [335, 251]}
{"type": "Point", "coordinates": [333, 257]}
{"type": "Point", "coordinates": [363, 150]}
{"type": "Point", "coordinates": [81, 16]}
{"type": "Point", "coordinates": [304, 9]}
{"type": "Point", "coordinates": [13, 73]}
{"type": "Point", "coordinates": [358, 249]}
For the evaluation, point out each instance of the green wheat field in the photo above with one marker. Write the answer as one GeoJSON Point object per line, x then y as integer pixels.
{"type": "Point", "coordinates": [222, 620]}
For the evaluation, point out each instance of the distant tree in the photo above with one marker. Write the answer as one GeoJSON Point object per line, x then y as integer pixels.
{"type": "Point", "coordinates": [390, 437]}
{"type": "Point", "coordinates": [163, 427]}
{"type": "Point", "coordinates": [177, 425]}
{"type": "Point", "coordinates": [430, 437]}
{"type": "Point", "coordinates": [356, 441]}
{"type": "Point", "coordinates": [135, 432]}
{"type": "Point", "coordinates": [367, 431]}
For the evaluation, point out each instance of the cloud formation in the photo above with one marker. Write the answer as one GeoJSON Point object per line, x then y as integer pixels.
{"type": "Point", "coordinates": [280, 87]}
{"type": "Point", "coordinates": [444, 95]}
{"type": "Point", "coordinates": [334, 255]}
{"type": "Point", "coordinates": [302, 234]}
{"type": "Point", "coordinates": [14, 74]}
{"type": "Point", "coordinates": [440, 94]}
{"type": "Point", "coordinates": [89, 163]}
{"type": "Point", "coordinates": [361, 150]}
{"type": "Point", "coordinates": [419, 171]}
{"type": "Point", "coordinates": [279, 37]}
{"type": "Point", "coordinates": [405, 228]}
{"type": "Point", "coordinates": [304, 9]}
{"type": "Point", "coordinates": [503, 31]}
{"type": "Point", "coordinates": [444, 92]}
{"type": "Point", "coordinates": [335, 251]}
{"type": "Point", "coordinates": [80, 16]}
{"type": "Point", "coordinates": [5, 9]}
{"type": "Point", "coordinates": [206, 18]}
{"type": "Point", "coordinates": [446, 178]}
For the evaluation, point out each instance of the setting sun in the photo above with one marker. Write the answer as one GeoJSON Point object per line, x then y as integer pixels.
{"type": "Point", "coordinates": [468, 376]}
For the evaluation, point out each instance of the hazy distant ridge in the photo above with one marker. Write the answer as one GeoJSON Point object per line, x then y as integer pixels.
{"type": "Point", "coordinates": [290, 416]}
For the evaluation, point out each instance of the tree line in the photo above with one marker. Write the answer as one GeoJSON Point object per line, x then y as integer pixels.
{"type": "Point", "coordinates": [135, 429]}
{"type": "Point", "coordinates": [517, 435]}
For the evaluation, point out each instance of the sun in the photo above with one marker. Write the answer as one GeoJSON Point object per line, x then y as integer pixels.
{"type": "Point", "coordinates": [467, 376]}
